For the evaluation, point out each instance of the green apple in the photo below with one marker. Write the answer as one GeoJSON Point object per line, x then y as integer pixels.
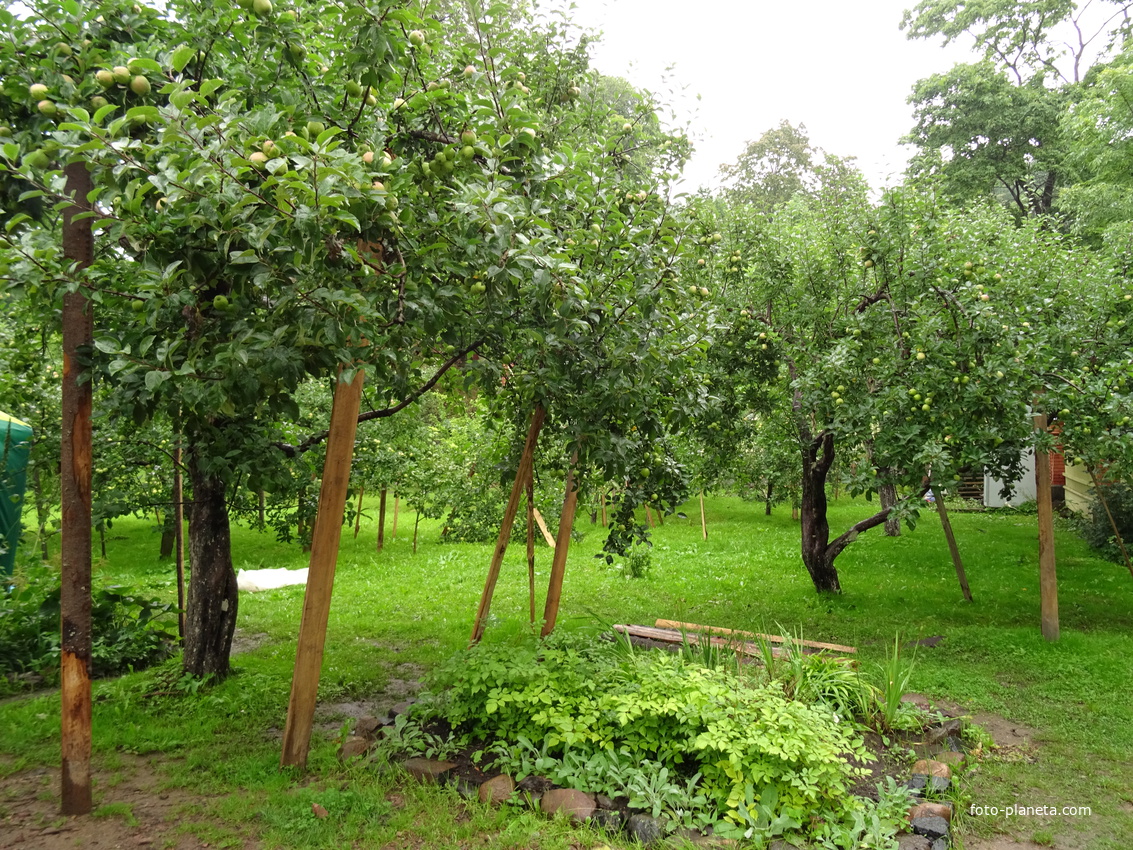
{"type": "Point", "coordinates": [258, 158]}
{"type": "Point", "coordinates": [262, 8]}
{"type": "Point", "coordinates": [137, 305]}
{"type": "Point", "coordinates": [353, 88]}
{"type": "Point", "coordinates": [122, 75]}
{"type": "Point", "coordinates": [416, 38]}
{"type": "Point", "coordinates": [98, 101]}
{"type": "Point", "coordinates": [140, 86]}
{"type": "Point", "coordinates": [315, 127]}
{"type": "Point", "coordinates": [5, 130]}
{"type": "Point", "coordinates": [104, 78]}
{"type": "Point", "coordinates": [469, 70]}
{"type": "Point", "coordinates": [220, 303]}
{"type": "Point", "coordinates": [47, 107]}
{"type": "Point", "coordinates": [468, 137]}
{"type": "Point", "coordinates": [36, 159]}
{"type": "Point", "coordinates": [467, 152]}
{"type": "Point", "coordinates": [63, 50]}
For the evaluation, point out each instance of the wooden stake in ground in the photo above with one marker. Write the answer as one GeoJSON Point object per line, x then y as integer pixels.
{"type": "Point", "coordinates": [75, 486]}
{"type": "Point", "coordinates": [521, 475]}
{"type": "Point", "coordinates": [382, 519]}
{"type": "Point", "coordinates": [562, 546]}
{"type": "Point", "coordinates": [179, 536]}
{"type": "Point", "coordinates": [396, 505]}
{"type": "Point", "coordinates": [416, 523]}
{"type": "Point", "coordinates": [531, 542]}
{"type": "Point", "coordinates": [320, 576]}
{"type": "Point", "coordinates": [358, 512]}
{"type": "Point", "coordinates": [603, 508]}
{"type": "Point", "coordinates": [1112, 522]}
{"type": "Point", "coordinates": [649, 516]}
{"type": "Point", "coordinates": [952, 547]}
{"type": "Point", "coordinates": [1048, 576]}
{"type": "Point", "coordinates": [703, 521]}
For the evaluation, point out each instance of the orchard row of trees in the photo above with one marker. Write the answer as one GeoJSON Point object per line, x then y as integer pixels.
{"type": "Point", "coordinates": [447, 195]}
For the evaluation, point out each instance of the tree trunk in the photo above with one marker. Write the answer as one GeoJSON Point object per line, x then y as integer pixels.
{"type": "Point", "coordinates": [767, 500]}
{"type": "Point", "coordinates": [210, 618]}
{"type": "Point", "coordinates": [168, 538]}
{"type": "Point", "coordinates": [817, 456]}
{"type": "Point", "coordinates": [888, 495]}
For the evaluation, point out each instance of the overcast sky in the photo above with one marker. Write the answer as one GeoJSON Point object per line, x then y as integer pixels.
{"type": "Point", "coordinates": [841, 67]}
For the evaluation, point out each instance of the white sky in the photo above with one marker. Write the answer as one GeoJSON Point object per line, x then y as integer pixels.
{"type": "Point", "coordinates": [841, 67]}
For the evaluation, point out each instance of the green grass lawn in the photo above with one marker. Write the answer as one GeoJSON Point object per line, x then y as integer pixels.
{"type": "Point", "coordinates": [396, 614]}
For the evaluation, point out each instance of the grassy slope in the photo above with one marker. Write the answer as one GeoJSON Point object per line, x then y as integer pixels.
{"type": "Point", "coordinates": [395, 609]}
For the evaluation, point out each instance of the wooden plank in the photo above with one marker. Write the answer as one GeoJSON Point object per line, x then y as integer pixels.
{"type": "Point", "coordinates": [562, 546]}
{"type": "Point", "coordinates": [75, 496]}
{"type": "Point", "coordinates": [382, 519]}
{"type": "Point", "coordinates": [703, 521]}
{"type": "Point", "coordinates": [748, 648]}
{"type": "Point", "coordinates": [531, 543]}
{"type": "Point", "coordinates": [694, 627]}
{"type": "Point", "coordinates": [1048, 577]}
{"type": "Point", "coordinates": [320, 575]}
{"type": "Point", "coordinates": [550, 538]}
{"type": "Point", "coordinates": [526, 462]}
{"type": "Point", "coordinates": [953, 549]}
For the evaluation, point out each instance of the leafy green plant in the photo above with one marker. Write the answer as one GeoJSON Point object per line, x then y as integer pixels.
{"type": "Point", "coordinates": [129, 631]}
{"type": "Point", "coordinates": [896, 673]}
{"type": "Point", "coordinates": [870, 825]}
{"type": "Point", "coordinates": [638, 561]}
{"type": "Point", "coordinates": [756, 818]}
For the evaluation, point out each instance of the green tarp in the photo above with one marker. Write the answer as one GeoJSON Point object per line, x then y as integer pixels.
{"type": "Point", "coordinates": [15, 442]}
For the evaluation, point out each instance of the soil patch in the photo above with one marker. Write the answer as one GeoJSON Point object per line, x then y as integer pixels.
{"type": "Point", "coordinates": [133, 809]}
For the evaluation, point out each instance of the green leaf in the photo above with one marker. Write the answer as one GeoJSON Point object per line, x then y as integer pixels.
{"type": "Point", "coordinates": [209, 86]}
{"type": "Point", "coordinates": [155, 378]}
{"type": "Point", "coordinates": [181, 57]}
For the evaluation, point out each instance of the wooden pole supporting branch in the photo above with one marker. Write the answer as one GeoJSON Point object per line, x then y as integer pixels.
{"type": "Point", "coordinates": [526, 461]}
{"type": "Point", "coordinates": [546, 532]}
{"type": "Point", "coordinates": [382, 519]}
{"type": "Point", "coordinates": [952, 547]}
{"type": "Point", "coordinates": [562, 546]}
{"type": "Point", "coordinates": [649, 516]}
{"type": "Point", "coordinates": [531, 543]}
{"type": "Point", "coordinates": [75, 485]}
{"type": "Point", "coordinates": [320, 576]}
{"type": "Point", "coordinates": [358, 512]}
{"type": "Point", "coordinates": [703, 521]}
{"type": "Point", "coordinates": [1048, 576]}
{"type": "Point", "coordinates": [396, 506]}
{"type": "Point", "coordinates": [1112, 522]}
{"type": "Point", "coordinates": [603, 509]}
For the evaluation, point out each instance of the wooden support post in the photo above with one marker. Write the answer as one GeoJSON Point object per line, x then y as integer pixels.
{"type": "Point", "coordinates": [952, 547]}
{"type": "Point", "coordinates": [358, 512]}
{"type": "Point", "coordinates": [263, 509]}
{"type": "Point", "coordinates": [546, 532]}
{"type": "Point", "coordinates": [320, 576]}
{"type": "Point", "coordinates": [416, 523]}
{"type": "Point", "coordinates": [703, 521]}
{"type": "Point", "coordinates": [531, 543]}
{"type": "Point", "coordinates": [660, 517]}
{"type": "Point", "coordinates": [75, 486]}
{"type": "Point", "coordinates": [1048, 576]}
{"type": "Point", "coordinates": [526, 461]}
{"type": "Point", "coordinates": [649, 516]}
{"type": "Point", "coordinates": [562, 546]}
{"type": "Point", "coordinates": [396, 506]}
{"type": "Point", "coordinates": [1112, 522]}
{"type": "Point", "coordinates": [382, 519]}
{"type": "Point", "coordinates": [179, 536]}
{"type": "Point", "coordinates": [603, 509]}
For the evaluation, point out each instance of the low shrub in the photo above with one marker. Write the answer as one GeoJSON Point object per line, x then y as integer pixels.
{"type": "Point", "coordinates": [128, 632]}
{"type": "Point", "coordinates": [699, 744]}
{"type": "Point", "coordinates": [1096, 527]}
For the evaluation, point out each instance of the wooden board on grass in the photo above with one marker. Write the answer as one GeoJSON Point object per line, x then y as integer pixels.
{"type": "Point", "coordinates": [716, 630]}
{"type": "Point", "coordinates": [747, 648]}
